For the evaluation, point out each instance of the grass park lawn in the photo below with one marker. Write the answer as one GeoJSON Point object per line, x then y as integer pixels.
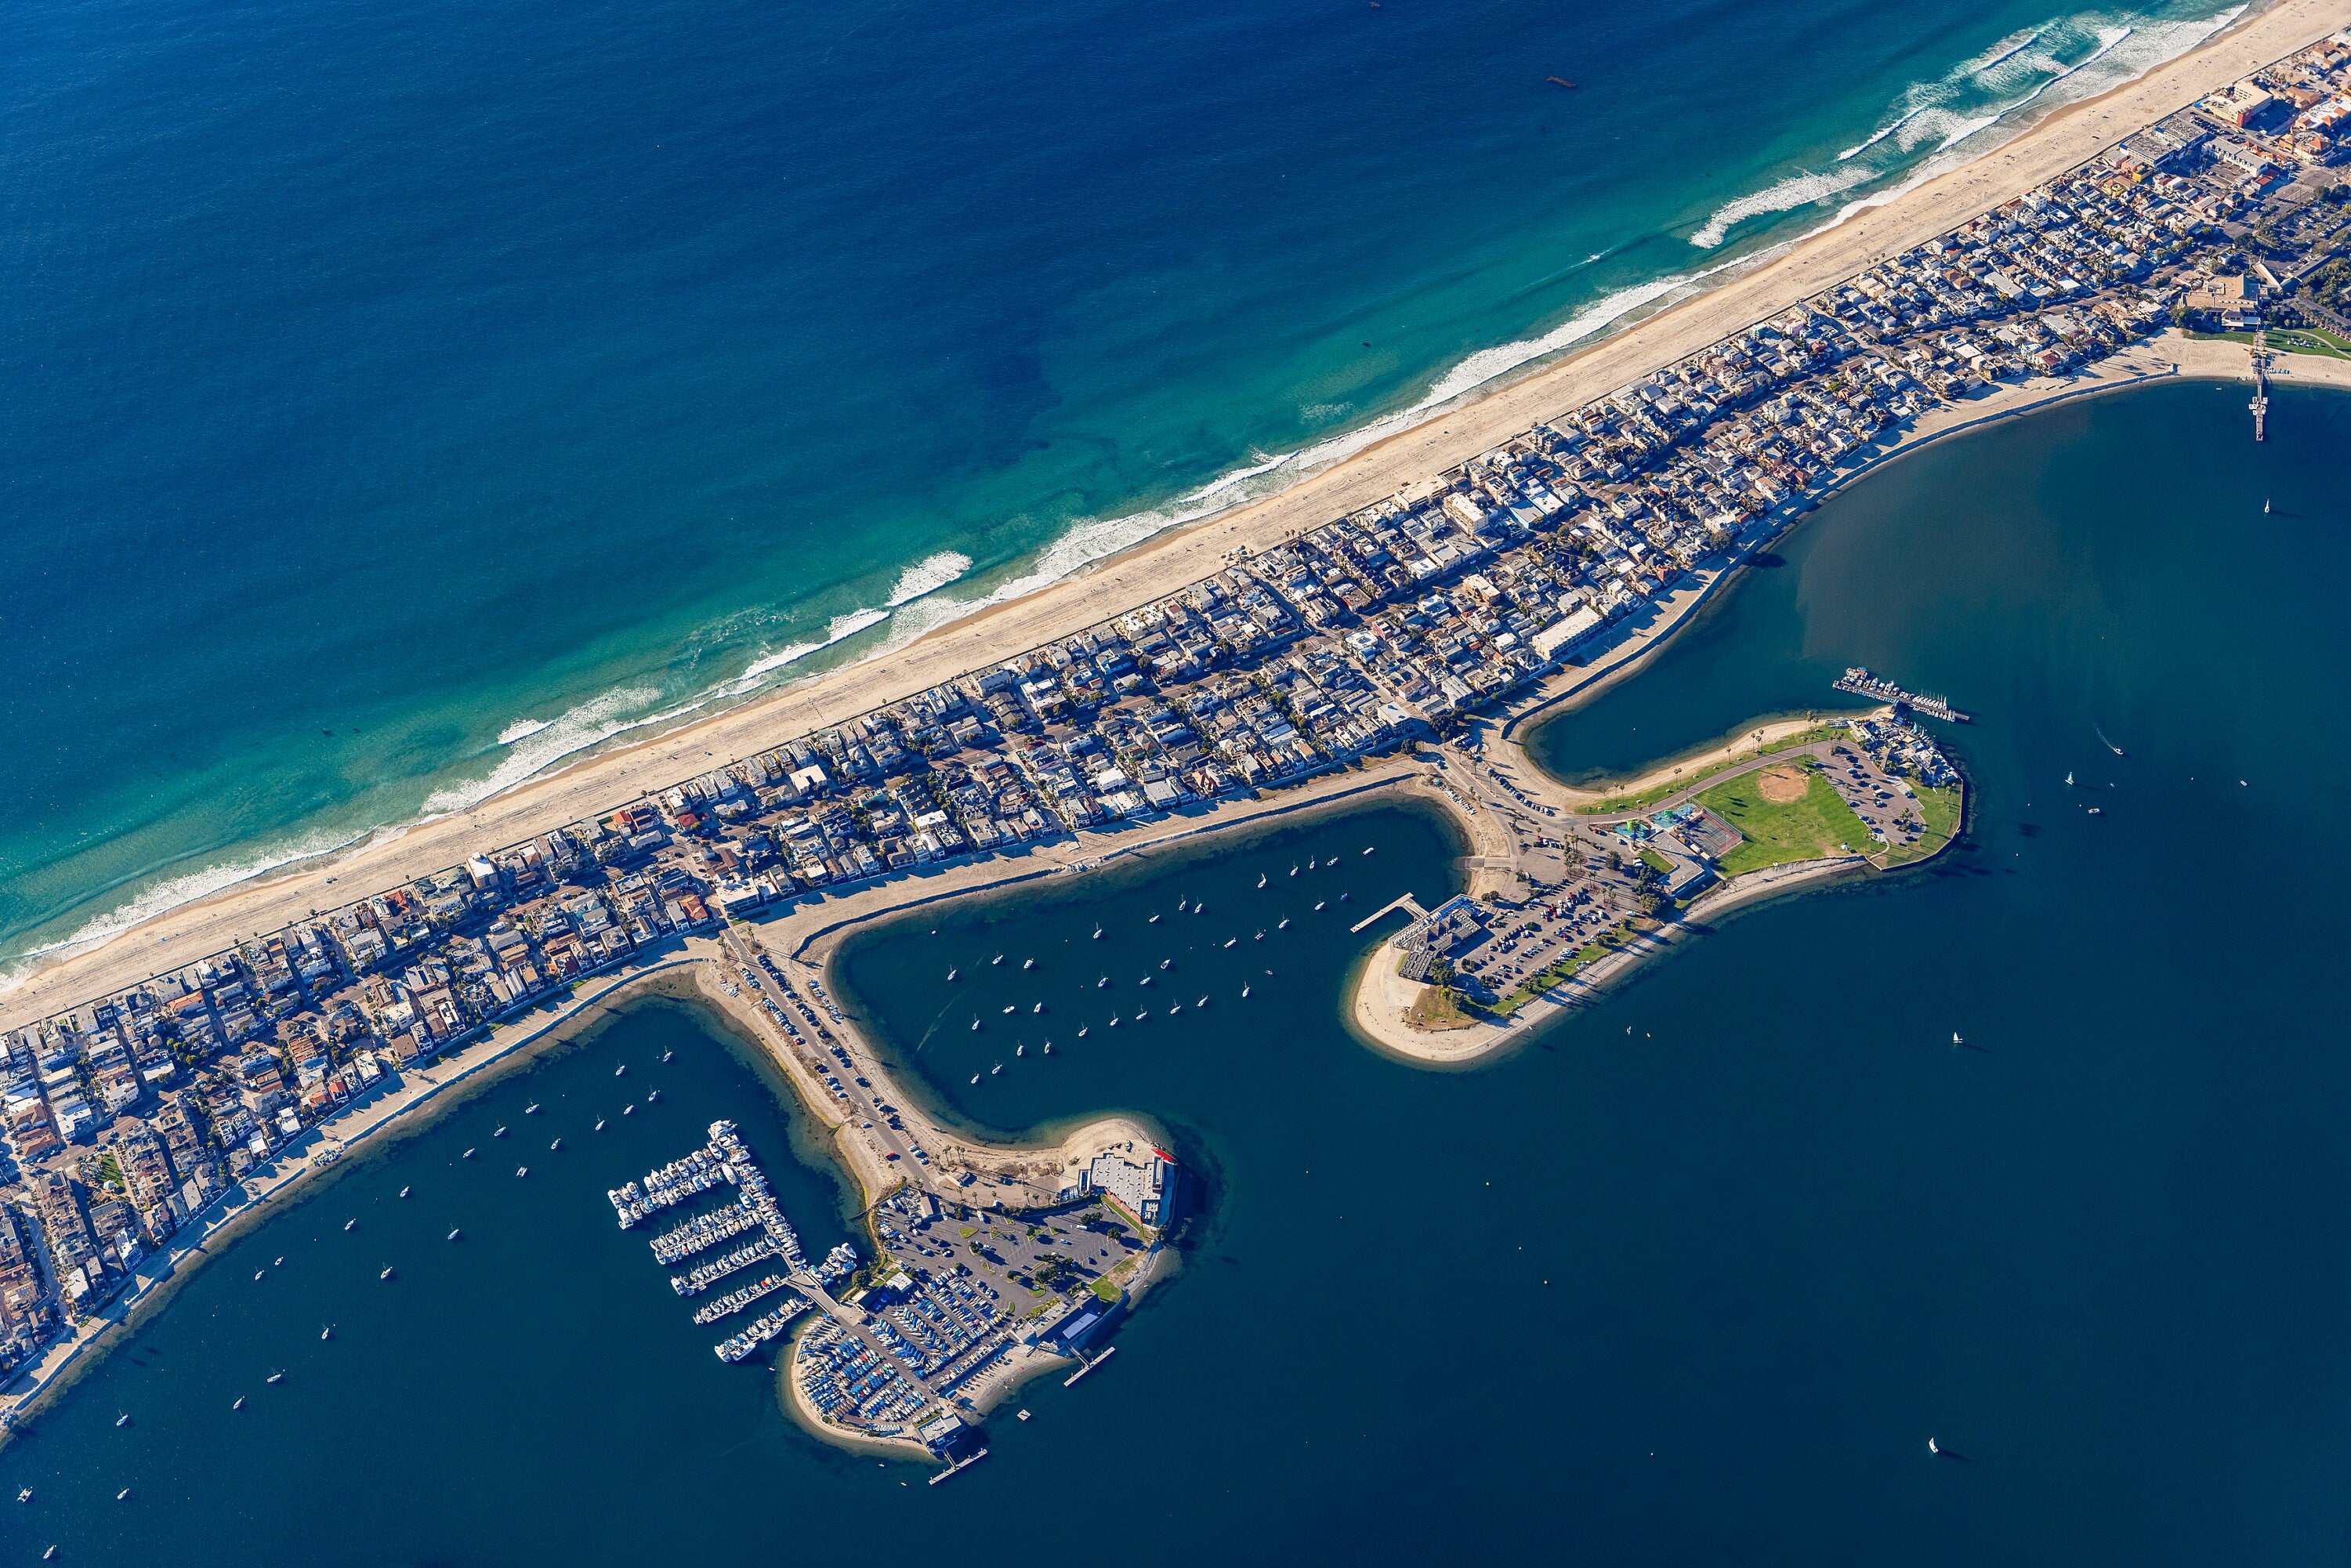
{"type": "Point", "coordinates": [1437, 1007]}
{"type": "Point", "coordinates": [1813, 826]}
{"type": "Point", "coordinates": [1940, 811]}
{"type": "Point", "coordinates": [2290, 340]}
{"type": "Point", "coordinates": [1650, 797]}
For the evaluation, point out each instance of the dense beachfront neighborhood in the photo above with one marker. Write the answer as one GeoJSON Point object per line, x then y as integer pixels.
{"type": "Point", "coordinates": [129, 1115]}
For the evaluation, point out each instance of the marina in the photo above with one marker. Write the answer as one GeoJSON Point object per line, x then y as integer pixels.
{"type": "Point", "coordinates": [1860, 682]}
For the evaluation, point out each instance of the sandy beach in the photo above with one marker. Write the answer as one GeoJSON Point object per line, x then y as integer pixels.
{"type": "Point", "coordinates": [1171, 559]}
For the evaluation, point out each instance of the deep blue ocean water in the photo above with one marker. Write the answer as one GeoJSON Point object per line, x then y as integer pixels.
{"type": "Point", "coordinates": [394, 399]}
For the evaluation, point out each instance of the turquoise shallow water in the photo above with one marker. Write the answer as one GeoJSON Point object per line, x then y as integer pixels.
{"type": "Point", "coordinates": [1753, 1233]}
{"type": "Point", "coordinates": [394, 400]}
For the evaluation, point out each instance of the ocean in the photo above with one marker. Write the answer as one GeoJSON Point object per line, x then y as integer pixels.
{"type": "Point", "coordinates": [396, 400]}
{"type": "Point", "coordinates": [1691, 1277]}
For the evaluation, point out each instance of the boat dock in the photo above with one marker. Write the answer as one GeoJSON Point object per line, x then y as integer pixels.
{"type": "Point", "coordinates": [760, 1333]}
{"type": "Point", "coordinates": [726, 1161]}
{"type": "Point", "coordinates": [734, 1302]}
{"type": "Point", "coordinates": [1860, 682]}
{"type": "Point", "coordinates": [963, 1464]}
{"type": "Point", "coordinates": [1408, 904]}
{"type": "Point", "coordinates": [704, 1275]}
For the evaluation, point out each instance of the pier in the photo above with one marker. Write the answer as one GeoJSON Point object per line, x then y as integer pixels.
{"type": "Point", "coordinates": [1407, 903]}
{"type": "Point", "coordinates": [2261, 403]}
{"type": "Point", "coordinates": [1860, 682]}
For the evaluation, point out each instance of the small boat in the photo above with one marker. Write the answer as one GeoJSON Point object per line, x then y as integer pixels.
{"type": "Point", "coordinates": [1260, 881]}
{"type": "Point", "coordinates": [499, 1133]}
{"type": "Point", "coordinates": [351, 1225]}
{"type": "Point", "coordinates": [2265, 505]}
{"type": "Point", "coordinates": [403, 1191]}
{"type": "Point", "coordinates": [1097, 932]}
{"type": "Point", "coordinates": [1113, 1020]}
{"type": "Point", "coordinates": [995, 1070]}
{"type": "Point", "coordinates": [627, 1110]}
{"type": "Point", "coordinates": [667, 1054]}
{"type": "Point", "coordinates": [1260, 937]}
{"type": "Point", "coordinates": [1153, 921]}
{"type": "Point", "coordinates": [1007, 1009]}
{"type": "Point", "coordinates": [1201, 1003]}
{"type": "Point", "coordinates": [1081, 1031]}
{"type": "Point", "coordinates": [1144, 981]}
{"type": "Point", "coordinates": [1021, 1049]}
{"type": "Point", "coordinates": [1100, 983]}
{"type": "Point", "coordinates": [1166, 963]}
{"type": "Point", "coordinates": [1199, 909]}
{"type": "Point", "coordinates": [522, 1170]}
{"type": "Point", "coordinates": [280, 1263]}
{"type": "Point", "coordinates": [1243, 993]}
{"type": "Point", "coordinates": [1318, 908]}
{"type": "Point", "coordinates": [1344, 896]}
{"type": "Point", "coordinates": [327, 1331]}
{"type": "Point", "coordinates": [257, 1273]}
{"type": "Point", "coordinates": [1038, 1009]}
{"type": "Point", "coordinates": [1283, 927]}
{"type": "Point", "coordinates": [467, 1156]}
{"type": "Point", "coordinates": [1049, 1048]}
{"type": "Point", "coordinates": [123, 1493]}
{"type": "Point", "coordinates": [1029, 963]}
{"type": "Point", "coordinates": [1369, 848]}
{"type": "Point", "coordinates": [974, 1078]}
{"type": "Point", "coordinates": [1293, 871]}
{"type": "Point", "coordinates": [975, 1025]}
{"type": "Point", "coordinates": [600, 1124]}
{"type": "Point", "coordinates": [1179, 907]}
{"type": "Point", "coordinates": [553, 1146]}
{"type": "Point", "coordinates": [240, 1402]}
{"type": "Point", "coordinates": [25, 1495]}
{"type": "Point", "coordinates": [1310, 862]}
{"type": "Point", "coordinates": [275, 1377]}
{"type": "Point", "coordinates": [2069, 776]}
{"type": "Point", "coordinates": [452, 1234]}
{"type": "Point", "coordinates": [2097, 811]}
{"type": "Point", "coordinates": [653, 1097]}
{"type": "Point", "coordinates": [952, 974]}
{"type": "Point", "coordinates": [532, 1109]}
{"type": "Point", "coordinates": [123, 1419]}
{"type": "Point", "coordinates": [1230, 940]}
{"type": "Point", "coordinates": [1176, 1008]}
{"type": "Point", "coordinates": [52, 1551]}
{"type": "Point", "coordinates": [622, 1070]}
{"type": "Point", "coordinates": [387, 1272]}
{"type": "Point", "coordinates": [997, 960]}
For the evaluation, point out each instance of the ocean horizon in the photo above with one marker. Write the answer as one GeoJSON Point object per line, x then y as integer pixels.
{"type": "Point", "coordinates": [400, 405]}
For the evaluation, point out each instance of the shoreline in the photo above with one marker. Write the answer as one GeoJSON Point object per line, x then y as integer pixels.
{"type": "Point", "coordinates": [1108, 587]}
{"type": "Point", "coordinates": [407, 1105]}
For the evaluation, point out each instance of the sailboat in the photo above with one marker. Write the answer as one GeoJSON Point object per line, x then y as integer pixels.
{"type": "Point", "coordinates": [351, 1224]}
{"type": "Point", "coordinates": [1049, 1048]}
{"type": "Point", "coordinates": [1081, 1031]}
{"type": "Point", "coordinates": [1260, 881]}
{"type": "Point", "coordinates": [1028, 963]}
{"type": "Point", "coordinates": [953, 973]}
{"type": "Point", "coordinates": [403, 1191]}
{"type": "Point", "coordinates": [2265, 505]}
{"type": "Point", "coordinates": [2069, 778]}
{"type": "Point", "coordinates": [240, 1402]}
{"type": "Point", "coordinates": [1245, 993]}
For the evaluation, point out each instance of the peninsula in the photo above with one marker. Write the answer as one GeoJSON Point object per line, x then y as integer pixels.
{"type": "Point", "coordinates": [1384, 627]}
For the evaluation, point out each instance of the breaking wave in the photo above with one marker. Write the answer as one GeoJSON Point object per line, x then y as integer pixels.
{"type": "Point", "coordinates": [2003, 88]}
{"type": "Point", "coordinates": [929, 576]}
{"type": "Point", "coordinates": [551, 740]}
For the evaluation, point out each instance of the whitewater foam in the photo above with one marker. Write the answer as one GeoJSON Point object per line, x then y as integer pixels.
{"type": "Point", "coordinates": [577, 730]}
{"type": "Point", "coordinates": [188, 887]}
{"type": "Point", "coordinates": [929, 576]}
{"type": "Point", "coordinates": [521, 728]}
{"type": "Point", "coordinates": [1977, 96]}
